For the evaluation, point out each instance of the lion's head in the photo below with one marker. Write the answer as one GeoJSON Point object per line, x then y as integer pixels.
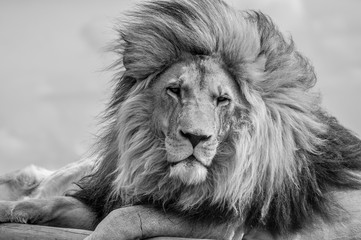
{"type": "Point", "coordinates": [213, 104]}
{"type": "Point", "coordinates": [213, 111]}
{"type": "Point", "coordinates": [193, 102]}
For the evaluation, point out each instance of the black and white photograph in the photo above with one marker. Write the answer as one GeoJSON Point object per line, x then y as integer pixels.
{"type": "Point", "coordinates": [180, 120]}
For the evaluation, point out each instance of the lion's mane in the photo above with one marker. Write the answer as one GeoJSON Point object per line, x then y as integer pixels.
{"type": "Point", "coordinates": [283, 153]}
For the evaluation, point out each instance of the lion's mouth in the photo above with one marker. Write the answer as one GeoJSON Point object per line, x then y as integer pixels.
{"type": "Point", "coordinates": [190, 170]}
{"type": "Point", "coordinates": [188, 162]}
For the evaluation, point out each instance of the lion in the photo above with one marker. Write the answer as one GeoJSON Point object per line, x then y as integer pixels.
{"type": "Point", "coordinates": [213, 131]}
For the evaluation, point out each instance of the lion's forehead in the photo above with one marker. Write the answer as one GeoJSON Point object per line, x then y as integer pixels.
{"type": "Point", "coordinates": [199, 77]}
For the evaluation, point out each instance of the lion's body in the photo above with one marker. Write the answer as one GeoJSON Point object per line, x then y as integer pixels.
{"type": "Point", "coordinates": [213, 121]}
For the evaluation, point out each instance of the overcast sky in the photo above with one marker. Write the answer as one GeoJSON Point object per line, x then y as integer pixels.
{"type": "Point", "coordinates": [51, 59]}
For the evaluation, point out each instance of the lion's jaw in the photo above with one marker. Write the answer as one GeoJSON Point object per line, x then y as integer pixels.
{"type": "Point", "coordinates": [194, 99]}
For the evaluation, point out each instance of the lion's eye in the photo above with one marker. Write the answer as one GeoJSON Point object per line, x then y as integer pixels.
{"type": "Point", "coordinates": [223, 100]}
{"type": "Point", "coordinates": [174, 90]}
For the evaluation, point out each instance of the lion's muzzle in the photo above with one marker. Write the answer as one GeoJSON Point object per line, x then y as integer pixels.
{"type": "Point", "coordinates": [190, 155]}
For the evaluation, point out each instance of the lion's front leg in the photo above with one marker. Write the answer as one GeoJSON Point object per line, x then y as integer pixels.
{"type": "Point", "coordinates": [57, 211]}
{"type": "Point", "coordinates": [140, 222]}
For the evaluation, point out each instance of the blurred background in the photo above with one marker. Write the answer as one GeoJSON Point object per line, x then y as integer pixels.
{"type": "Point", "coordinates": [52, 83]}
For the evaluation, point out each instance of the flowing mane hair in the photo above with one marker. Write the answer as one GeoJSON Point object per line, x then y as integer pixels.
{"type": "Point", "coordinates": [283, 154]}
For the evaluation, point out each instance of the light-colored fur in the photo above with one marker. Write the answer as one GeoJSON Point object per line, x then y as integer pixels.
{"type": "Point", "coordinates": [39, 183]}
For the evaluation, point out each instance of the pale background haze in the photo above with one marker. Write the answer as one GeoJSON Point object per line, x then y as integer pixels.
{"type": "Point", "coordinates": [52, 83]}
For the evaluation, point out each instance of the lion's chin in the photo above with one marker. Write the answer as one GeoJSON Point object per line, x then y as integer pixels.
{"type": "Point", "coordinates": [189, 171]}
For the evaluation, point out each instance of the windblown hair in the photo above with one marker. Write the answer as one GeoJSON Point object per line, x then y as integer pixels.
{"type": "Point", "coordinates": [283, 154]}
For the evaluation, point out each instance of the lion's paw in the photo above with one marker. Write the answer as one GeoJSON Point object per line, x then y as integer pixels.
{"type": "Point", "coordinates": [5, 211]}
{"type": "Point", "coordinates": [8, 214]}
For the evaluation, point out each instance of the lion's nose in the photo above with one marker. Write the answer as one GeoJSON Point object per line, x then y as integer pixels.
{"type": "Point", "coordinates": [195, 139]}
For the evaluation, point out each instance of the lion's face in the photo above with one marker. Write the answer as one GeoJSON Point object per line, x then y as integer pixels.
{"type": "Point", "coordinates": [194, 102]}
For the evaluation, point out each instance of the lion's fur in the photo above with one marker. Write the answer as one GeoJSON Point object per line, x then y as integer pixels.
{"type": "Point", "coordinates": [35, 182]}
{"type": "Point", "coordinates": [283, 153]}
